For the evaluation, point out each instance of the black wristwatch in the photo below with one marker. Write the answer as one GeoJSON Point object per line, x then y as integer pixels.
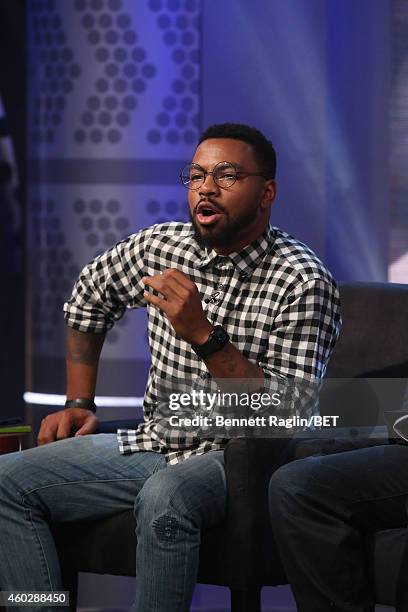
{"type": "Point", "coordinates": [217, 339]}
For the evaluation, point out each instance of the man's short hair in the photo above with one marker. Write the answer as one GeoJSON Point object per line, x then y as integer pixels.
{"type": "Point", "coordinates": [263, 149]}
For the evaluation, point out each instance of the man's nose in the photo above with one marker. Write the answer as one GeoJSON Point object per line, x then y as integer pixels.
{"type": "Point", "coordinates": [209, 185]}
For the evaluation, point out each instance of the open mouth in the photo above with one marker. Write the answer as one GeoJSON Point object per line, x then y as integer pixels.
{"type": "Point", "coordinates": [207, 214]}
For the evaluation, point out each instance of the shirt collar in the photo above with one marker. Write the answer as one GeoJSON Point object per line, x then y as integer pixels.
{"type": "Point", "coordinates": [245, 260]}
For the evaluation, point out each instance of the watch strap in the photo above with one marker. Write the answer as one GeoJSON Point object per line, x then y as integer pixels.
{"type": "Point", "coordinates": [81, 402]}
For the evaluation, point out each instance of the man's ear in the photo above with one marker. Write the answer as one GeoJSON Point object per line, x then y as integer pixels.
{"type": "Point", "coordinates": [269, 193]}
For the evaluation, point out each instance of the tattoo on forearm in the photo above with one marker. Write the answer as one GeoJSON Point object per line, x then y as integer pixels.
{"type": "Point", "coordinates": [84, 348]}
{"type": "Point", "coordinates": [229, 360]}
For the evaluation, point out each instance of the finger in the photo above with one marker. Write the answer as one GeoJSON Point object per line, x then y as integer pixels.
{"type": "Point", "coordinates": [156, 301]}
{"type": "Point", "coordinates": [153, 281]}
{"type": "Point", "coordinates": [179, 286]}
{"type": "Point", "coordinates": [65, 426]}
{"type": "Point", "coordinates": [176, 276]}
{"type": "Point", "coordinates": [179, 277]}
{"type": "Point", "coordinates": [156, 283]}
{"type": "Point", "coordinates": [88, 427]}
{"type": "Point", "coordinates": [169, 273]}
{"type": "Point", "coordinates": [47, 432]}
{"type": "Point", "coordinates": [172, 290]}
{"type": "Point", "coordinates": [170, 283]}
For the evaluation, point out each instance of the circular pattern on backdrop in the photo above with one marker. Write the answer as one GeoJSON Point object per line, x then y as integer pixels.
{"type": "Point", "coordinates": [179, 23]}
{"type": "Point", "coordinates": [125, 66]}
{"type": "Point", "coordinates": [54, 271]}
{"type": "Point", "coordinates": [126, 70]}
{"type": "Point", "coordinates": [101, 223]}
{"type": "Point", "coordinates": [125, 73]}
{"type": "Point", "coordinates": [167, 210]}
{"type": "Point", "coordinates": [58, 70]}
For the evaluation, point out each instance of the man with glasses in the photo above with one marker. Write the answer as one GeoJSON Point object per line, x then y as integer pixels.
{"type": "Point", "coordinates": [228, 297]}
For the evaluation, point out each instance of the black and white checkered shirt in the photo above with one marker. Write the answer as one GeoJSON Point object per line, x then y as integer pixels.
{"type": "Point", "coordinates": [276, 300]}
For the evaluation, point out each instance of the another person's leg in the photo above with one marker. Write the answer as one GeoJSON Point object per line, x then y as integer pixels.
{"type": "Point", "coordinates": [321, 510]}
{"type": "Point", "coordinates": [172, 508]}
{"type": "Point", "coordinates": [73, 479]}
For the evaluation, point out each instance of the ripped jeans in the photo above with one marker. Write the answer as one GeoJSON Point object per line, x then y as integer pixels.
{"type": "Point", "coordinates": [85, 478]}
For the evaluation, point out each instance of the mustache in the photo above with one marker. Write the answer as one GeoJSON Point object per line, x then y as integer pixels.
{"type": "Point", "coordinates": [209, 201]}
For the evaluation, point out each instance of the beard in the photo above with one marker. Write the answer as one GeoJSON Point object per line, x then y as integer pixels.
{"type": "Point", "coordinates": [223, 234]}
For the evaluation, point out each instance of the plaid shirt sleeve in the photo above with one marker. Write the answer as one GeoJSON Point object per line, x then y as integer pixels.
{"type": "Point", "coordinates": [305, 331]}
{"type": "Point", "coordinates": [302, 338]}
{"type": "Point", "coordinates": [107, 286]}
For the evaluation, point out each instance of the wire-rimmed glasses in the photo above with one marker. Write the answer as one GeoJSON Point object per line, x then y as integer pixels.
{"type": "Point", "coordinates": [224, 174]}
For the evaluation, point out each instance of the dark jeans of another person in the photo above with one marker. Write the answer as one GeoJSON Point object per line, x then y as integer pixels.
{"type": "Point", "coordinates": [322, 509]}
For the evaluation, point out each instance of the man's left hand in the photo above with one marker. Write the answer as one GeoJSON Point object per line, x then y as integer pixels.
{"type": "Point", "coordinates": [181, 303]}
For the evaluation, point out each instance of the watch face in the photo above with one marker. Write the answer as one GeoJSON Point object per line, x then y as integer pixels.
{"type": "Point", "coordinates": [217, 339]}
{"type": "Point", "coordinates": [219, 335]}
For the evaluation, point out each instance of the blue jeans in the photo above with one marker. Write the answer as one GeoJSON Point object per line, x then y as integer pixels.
{"type": "Point", "coordinates": [87, 478]}
{"type": "Point", "coordinates": [323, 509]}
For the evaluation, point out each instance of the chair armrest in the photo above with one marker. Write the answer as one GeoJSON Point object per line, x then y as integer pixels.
{"type": "Point", "coordinates": [249, 464]}
{"type": "Point", "coordinates": [338, 440]}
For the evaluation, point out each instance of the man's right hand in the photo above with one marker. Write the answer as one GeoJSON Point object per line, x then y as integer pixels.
{"type": "Point", "coordinates": [58, 425]}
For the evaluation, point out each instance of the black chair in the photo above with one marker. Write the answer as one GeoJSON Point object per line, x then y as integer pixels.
{"type": "Point", "coordinates": [373, 344]}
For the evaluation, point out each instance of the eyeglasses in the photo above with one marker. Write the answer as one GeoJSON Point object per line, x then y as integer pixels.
{"type": "Point", "coordinates": [224, 174]}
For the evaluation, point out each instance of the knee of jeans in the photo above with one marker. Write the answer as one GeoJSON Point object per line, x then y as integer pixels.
{"type": "Point", "coordinates": [162, 493]}
{"type": "Point", "coordinates": [290, 478]}
{"type": "Point", "coordinates": [160, 507]}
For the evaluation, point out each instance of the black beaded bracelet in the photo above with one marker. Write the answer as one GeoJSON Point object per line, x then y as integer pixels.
{"type": "Point", "coordinates": [81, 402]}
